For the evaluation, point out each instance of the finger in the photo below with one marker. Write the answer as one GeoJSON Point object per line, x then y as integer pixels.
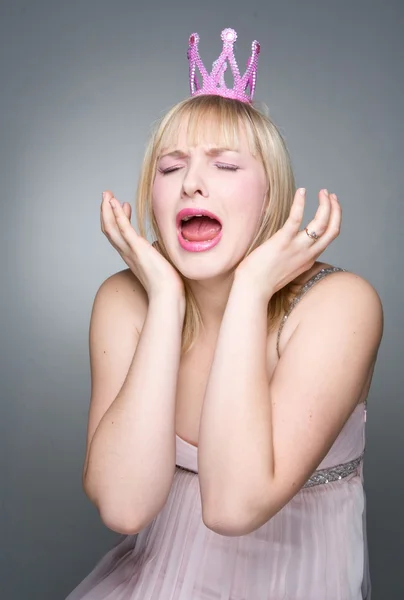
{"type": "Point", "coordinates": [127, 209]}
{"type": "Point", "coordinates": [294, 221]}
{"type": "Point", "coordinates": [323, 214]}
{"type": "Point", "coordinates": [333, 227]}
{"type": "Point", "coordinates": [127, 232]}
{"type": "Point", "coordinates": [109, 208]}
{"type": "Point", "coordinates": [105, 214]}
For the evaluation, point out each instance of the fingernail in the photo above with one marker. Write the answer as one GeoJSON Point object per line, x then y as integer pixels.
{"type": "Point", "coordinates": [302, 191]}
{"type": "Point", "coordinates": [112, 204]}
{"type": "Point", "coordinates": [103, 195]}
{"type": "Point", "coordinates": [325, 191]}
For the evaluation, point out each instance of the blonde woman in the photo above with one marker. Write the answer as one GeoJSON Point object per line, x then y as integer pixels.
{"type": "Point", "coordinates": [230, 370]}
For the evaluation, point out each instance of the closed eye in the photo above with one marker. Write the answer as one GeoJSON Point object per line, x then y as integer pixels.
{"type": "Point", "coordinates": [227, 167]}
{"type": "Point", "coordinates": [219, 166]}
{"type": "Point", "coordinates": [169, 170]}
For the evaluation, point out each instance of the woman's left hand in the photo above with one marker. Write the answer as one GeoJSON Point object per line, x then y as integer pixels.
{"type": "Point", "coordinates": [290, 251]}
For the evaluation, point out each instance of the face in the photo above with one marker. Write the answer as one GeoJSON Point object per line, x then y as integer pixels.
{"type": "Point", "coordinates": [231, 184]}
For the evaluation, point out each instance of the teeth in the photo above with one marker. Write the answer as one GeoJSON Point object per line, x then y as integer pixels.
{"type": "Point", "coordinates": [190, 217]}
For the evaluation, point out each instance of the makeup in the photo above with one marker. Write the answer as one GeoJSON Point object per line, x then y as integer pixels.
{"type": "Point", "coordinates": [198, 229]}
{"type": "Point", "coordinates": [198, 246]}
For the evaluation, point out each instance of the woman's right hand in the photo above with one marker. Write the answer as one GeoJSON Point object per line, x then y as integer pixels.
{"type": "Point", "coordinates": [153, 271]}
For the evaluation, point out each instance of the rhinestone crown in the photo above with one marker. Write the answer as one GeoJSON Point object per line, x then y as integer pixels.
{"type": "Point", "coordinates": [213, 82]}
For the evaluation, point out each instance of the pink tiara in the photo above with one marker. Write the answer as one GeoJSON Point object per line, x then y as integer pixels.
{"type": "Point", "coordinates": [214, 83]}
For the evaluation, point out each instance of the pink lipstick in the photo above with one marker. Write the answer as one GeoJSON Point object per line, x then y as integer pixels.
{"type": "Point", "coordinates": [202, 235]}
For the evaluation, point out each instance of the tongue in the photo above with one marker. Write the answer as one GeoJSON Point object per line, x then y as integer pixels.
{"type": "Point", "coordinates": [200, 229]}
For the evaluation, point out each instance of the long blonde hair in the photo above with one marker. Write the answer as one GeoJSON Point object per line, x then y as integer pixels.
{"type": "Point", "coordinates": [218, 117]}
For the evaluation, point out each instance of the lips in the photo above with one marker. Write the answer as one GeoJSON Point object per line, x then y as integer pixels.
{"type": "Point", "coordinates": [192, 212]}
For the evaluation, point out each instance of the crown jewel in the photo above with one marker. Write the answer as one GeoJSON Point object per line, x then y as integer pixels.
{"type": "Point", "coordinates": [214, 83]}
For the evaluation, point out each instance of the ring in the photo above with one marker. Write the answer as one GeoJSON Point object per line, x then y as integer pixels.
{"type": "Point", "coordinates": [312, 235]}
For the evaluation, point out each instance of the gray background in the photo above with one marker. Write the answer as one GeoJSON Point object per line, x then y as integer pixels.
{"type": "Point", "coordinates": [81, 84]}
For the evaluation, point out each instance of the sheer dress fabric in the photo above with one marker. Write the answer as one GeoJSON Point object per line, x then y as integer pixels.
{"type": "Point", "coordinates": [314, 548]}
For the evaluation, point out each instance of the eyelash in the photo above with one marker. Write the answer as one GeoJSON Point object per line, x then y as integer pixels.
{"type": "Point", "coordinates": [222, 167]}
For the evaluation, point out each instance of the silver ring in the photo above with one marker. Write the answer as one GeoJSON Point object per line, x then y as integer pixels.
{"type": "Point", "coordinates": [312, 234]}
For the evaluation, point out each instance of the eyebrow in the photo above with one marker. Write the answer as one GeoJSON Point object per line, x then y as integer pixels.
{"type": "Point", "coordinates": [211, 152]}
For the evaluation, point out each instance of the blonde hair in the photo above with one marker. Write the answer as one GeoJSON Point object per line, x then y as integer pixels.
{"type": "Point", "coordinates": [219, 119]}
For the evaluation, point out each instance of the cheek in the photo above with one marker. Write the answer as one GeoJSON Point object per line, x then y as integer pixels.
{"type": "Point", "coordinates": [163, 204]}
{"type": "Point", "coordinates": [159, 201]}
{"type": "Point", "coordinates": [247, 201]}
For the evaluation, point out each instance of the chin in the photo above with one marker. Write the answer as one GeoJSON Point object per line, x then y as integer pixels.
{"type": "Point", "coordinates": [202, 268]}
{"type": "Point", "coordinates": [217, 262]}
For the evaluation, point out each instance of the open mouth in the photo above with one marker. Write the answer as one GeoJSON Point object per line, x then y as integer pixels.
{"type": "Point", "coordinates": [199, 228]}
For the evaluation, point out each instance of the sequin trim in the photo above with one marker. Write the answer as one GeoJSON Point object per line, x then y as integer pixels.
{"type": "Point", "coordinates": [322, 476]}
{"type": "Point", "coordinates": [334, 473]}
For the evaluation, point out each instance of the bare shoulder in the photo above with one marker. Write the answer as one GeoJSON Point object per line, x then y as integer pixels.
{"type": "Point", "coordinates": [123, 291]}
{"type": "Point", "coordinates": [339, 298]}
{"type": "Point", "coordinates": [347, 287]}
{"type": "Point", "coordinates": [339, 285]}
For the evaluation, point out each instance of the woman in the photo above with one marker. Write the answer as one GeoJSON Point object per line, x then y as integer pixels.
{"type": "Point", "coordinates": [226, 427]}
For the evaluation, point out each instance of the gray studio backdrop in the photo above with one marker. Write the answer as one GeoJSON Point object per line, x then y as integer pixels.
{"type": "Point", "coordinates": [81, 84]}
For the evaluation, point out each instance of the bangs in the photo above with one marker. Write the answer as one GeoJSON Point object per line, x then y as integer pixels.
{"type": "Point", "coordinates": [210, 120]}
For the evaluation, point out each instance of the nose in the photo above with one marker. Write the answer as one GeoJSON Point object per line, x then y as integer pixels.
{"type": "Point", "coordinates": [193, 183]}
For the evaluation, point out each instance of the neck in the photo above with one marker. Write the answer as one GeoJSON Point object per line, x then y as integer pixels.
{"type": "Point", "coordinates": [212, 296]}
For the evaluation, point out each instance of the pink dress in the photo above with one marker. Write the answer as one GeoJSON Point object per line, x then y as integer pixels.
{"type": "Point", "coordinates": [314, 548]}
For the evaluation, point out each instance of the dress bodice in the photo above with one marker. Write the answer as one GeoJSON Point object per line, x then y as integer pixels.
{"type": "Point", "coordinates": [344, 457]}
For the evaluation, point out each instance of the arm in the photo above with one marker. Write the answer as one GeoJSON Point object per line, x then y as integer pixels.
{"type": "Point", "coordinates": [260, 441]}
{"type": "Point", "coordinates": [130, 458]}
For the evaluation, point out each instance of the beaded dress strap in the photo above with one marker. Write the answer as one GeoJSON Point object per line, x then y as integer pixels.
{"type": "Point", "coordinates": [305, 288]}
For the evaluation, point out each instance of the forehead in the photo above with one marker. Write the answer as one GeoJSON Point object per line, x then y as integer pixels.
{"type": "Point", "coordinates": [206, 130]}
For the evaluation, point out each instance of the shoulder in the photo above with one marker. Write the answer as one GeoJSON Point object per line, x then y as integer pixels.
{"type": "Point", "coordinates": [123, 292]}
{"type": "Point", "coordinates": [346, 288]}
{"type": "Point", "coordinates": [338, 299]}
{"type": "Point", "coordinates": [341, 299]}
{"type": "Point", "coordinates": [336, 285]}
